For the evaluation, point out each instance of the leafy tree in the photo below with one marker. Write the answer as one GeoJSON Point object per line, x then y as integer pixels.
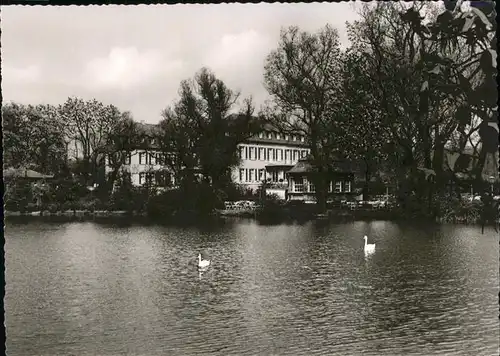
{"type": "Point", "coordinates": [471, 79]}
{"type": "Point", "coordinates": [33, 138]}
{"type": "Point", "coordinates": [361, 131]}
{"type": "Point", "coordinates": [391, 50]}
{"type": "Point", "coordinates": [123, 195]}
{"type": "Point", "coordinates": [199, 133]}
{"type": "Point", "coordinates": [416, 74]}
{"type": "Point", "coordinates": [17, 194]}
{"type": "Point", "coordinates": [303, 77]}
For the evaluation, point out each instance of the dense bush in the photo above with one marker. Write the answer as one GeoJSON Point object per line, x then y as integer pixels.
{"type": "Point", "coordinates": [453, 209]}
{"type": "Point", "coordinates": [164, 205]}
{"type": "Point", "coordinates": [272, 206]}
{"type": "Point", "coordinates": [235, 192]}
{"type": "Point", "coordinates": [18, 195]}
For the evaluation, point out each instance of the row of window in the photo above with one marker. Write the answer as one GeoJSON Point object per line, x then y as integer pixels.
{"type": "Point", "coordinates": [277, 136]}
{"type": "Point", "coordinates": [269, 135]}
{"type": "Point", "coordinates": [299, 186]}
{"type": "Point", "coordinates": [271, 154]}
{"type": "Point", "coordinates": [149, 158]}
{"type": "Point", "coordinates": [152, 158]}
{"type": "Point", "coordinates": [253, 175]}
{"type": "Point", "coordinates": [246, 152]}
{"type": "Point", "coordinates": [125, 158]}
{"type": "Point", "coordinates": [160, 178]}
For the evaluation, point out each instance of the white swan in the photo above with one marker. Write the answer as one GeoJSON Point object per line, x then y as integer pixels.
{"type": "Point", "coordinates": [202, 263]}
{"type": "Point", "coordinates": [369, 248]}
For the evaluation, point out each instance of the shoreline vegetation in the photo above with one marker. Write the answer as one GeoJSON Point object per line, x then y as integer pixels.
{"type": "Point", "coordinates": [262, 214]}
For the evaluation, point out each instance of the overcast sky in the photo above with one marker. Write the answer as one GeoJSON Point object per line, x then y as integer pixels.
{"type": "Point", "coordinates": [134, 57]}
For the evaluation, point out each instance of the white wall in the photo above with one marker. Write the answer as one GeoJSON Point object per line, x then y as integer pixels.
{"type": "Point", "coordinates": [135, 167]}
{"type": "Point", "coordinates": [249, 179]}
{"type": "Point", "coordinates": [250, 161]}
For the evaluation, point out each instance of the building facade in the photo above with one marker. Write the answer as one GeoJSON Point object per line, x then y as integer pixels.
{"type": "Point", "coordinates": [145, 165]}
{"type": "Point", "coordinates": [301, 186]}
{"type": "Point", "coordinates": [268, 157]}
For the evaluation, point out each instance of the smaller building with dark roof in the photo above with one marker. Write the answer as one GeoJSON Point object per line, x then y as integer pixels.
{"type": "Point", "coordinates": [340, 177]}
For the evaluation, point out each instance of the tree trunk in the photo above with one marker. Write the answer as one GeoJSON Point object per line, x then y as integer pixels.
{"type": "Point", "coordinates": [478, 170]}
{"type": "Point", "coordinates": [111, 180]}
{"type": "Point", "coordinates": [368, 177]}
{"type": "Point", "coordinates": [319, 176]}
{"type": "Point", "coordinates": [320, 191]}
{"type": "Point", "coordinates": [437, 166]}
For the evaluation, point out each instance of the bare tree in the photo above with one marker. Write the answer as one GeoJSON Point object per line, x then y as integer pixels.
{"type": "Point", "coordinates": [88, 125]}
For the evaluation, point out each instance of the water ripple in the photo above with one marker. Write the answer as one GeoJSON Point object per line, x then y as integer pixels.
{"type": "Point", "coordinates": [85, 289]}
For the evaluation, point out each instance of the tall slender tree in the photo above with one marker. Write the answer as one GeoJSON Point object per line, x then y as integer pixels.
{"type": "Point", "coordinates": [361, 131]}
{"type": "Point", "coordinates": [303, 77]}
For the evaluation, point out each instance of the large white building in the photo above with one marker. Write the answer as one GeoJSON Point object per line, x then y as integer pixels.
{"type": "Point", "coordinates": [146, 163]}
{"type": "Point", "coordinates": [268, 157]}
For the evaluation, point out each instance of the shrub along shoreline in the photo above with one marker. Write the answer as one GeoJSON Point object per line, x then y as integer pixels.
{"type": "Point", "coordinates": [470, 214]}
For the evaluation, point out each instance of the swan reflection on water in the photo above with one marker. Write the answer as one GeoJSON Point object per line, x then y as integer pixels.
{"type": "Point", "coordinates": [368, 248]}
{"type": "Point", "coordinates": [201, 271]}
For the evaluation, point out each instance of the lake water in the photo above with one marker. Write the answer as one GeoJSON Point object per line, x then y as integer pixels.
{"type": "Point", "coordinates": [89, 289]}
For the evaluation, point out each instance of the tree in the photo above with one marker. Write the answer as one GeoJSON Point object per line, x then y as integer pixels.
{"type": "Point", "coordinates": [121, 142]}
{"type": "Point", "coordinates": [200, 133]}
{"type": "Point", "coordinates": [303, 77]}
{"type": "Point", "coordinates": [361, 130]}
{"type": "Point", "coordinates": [88, 125]}
{"type": "Point", "coordinates": [471, 79]}
{"type": "Point", "coordinates": [415, 73]}
{"type": "Point", "coordinates": [391, 51]}
{"type": "Point", "coordinates": [33, 138]}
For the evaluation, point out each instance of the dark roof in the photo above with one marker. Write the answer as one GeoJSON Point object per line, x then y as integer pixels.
{"type": "Point", "coordinates": [268, 127]}
{"type": "Point", "coordinates": [24, 173]}
{"type": "Point", "coordinates": [342, 166]}
{"type": "Point", "coordinates": [302, 166]}
{"type": "Point", "coordinates": [336, 166]}
{"type": "Point", "coordinates": [275, 141]}
{"type": "Point", "coordinates": [152, 129]}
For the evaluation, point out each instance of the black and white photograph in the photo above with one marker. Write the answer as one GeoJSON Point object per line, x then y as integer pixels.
{"type": "Point", "coordinates": [242, 179]}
